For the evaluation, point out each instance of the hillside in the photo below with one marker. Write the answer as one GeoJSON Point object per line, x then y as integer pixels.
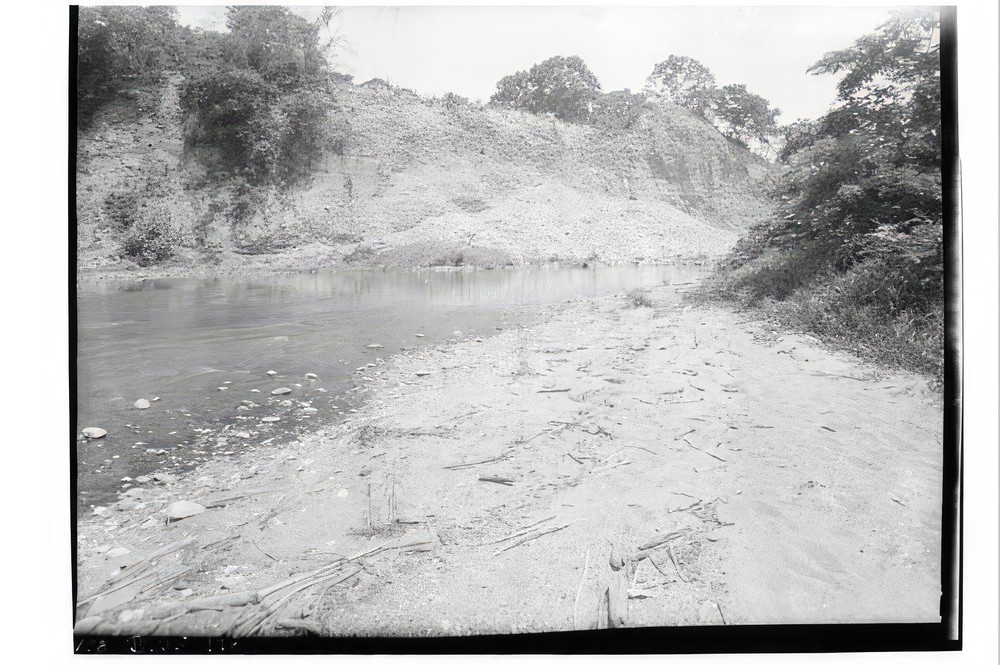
{"type": "Point", "coordinates": [424, 182]}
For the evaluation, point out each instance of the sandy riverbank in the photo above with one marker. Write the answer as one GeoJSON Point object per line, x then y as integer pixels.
{"type": "Point", "coordinates": [612, 465]}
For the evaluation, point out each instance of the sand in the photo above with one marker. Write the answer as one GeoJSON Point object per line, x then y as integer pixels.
{"type": "Point", "coordinates": [610, 466]}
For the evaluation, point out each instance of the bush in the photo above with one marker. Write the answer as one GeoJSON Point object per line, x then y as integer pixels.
{"type": "Point", "coordinates": [857, 311]}
{"type": "Point", "coordinates": [150, 239]}
{"type": "Point", "coordinates": [638, 298]}
{"type": "Point", "coordinates": [233, 117]}
{"type": "Point", "coordinates": [122, 208]}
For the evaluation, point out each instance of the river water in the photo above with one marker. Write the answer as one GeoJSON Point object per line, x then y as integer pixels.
{"type": "Point", "coordinates": [199, 350]}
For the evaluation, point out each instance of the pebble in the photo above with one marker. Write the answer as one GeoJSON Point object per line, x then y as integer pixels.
{"type": "Point", "coordinates": [94, 432]}
{"type": "Point", "coordinates": [422, 373]}
{"type": "Point", "coordinates": [270, 419]}
{"type": "Point", "coordinates": [141, 404]}
{"type": "Point", "coordinates": [118, 551]}
{"type": "Point", "coordinates": [271, 372]}
{"type": "Point", "coordinates": [281, 391]}
{"type": "Point", "coordinates": [310, 410]}
{"type": "Point", "coordinates": [310, 375]}
{"type": "Point", "coordinates": [374, 346]}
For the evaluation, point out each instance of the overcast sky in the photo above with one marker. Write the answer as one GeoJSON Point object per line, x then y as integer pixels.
{"type": "Point", "coordinates": [466, 50]}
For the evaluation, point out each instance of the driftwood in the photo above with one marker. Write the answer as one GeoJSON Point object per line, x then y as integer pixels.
{"type": "Point", "coordinates": [485, 461]}
{"type": "Point", "coordinates": [500, 480]}
{"type": "Point", "coordinates": [138, 571]}
{"type": "Point", "coordinates": [677, 567]}
{"type": "Point", "coordinates": [583, 577]}
{"type": "Point", "coordinates": [533, 536]}
{"type": "Point", "coordinates": [704, 451]}
{"type": "Point", "coordinates": [641, 448]}
{"type": "Point", "coordinates": [660, 540]}
{"type": "Point", "coordinates": [526, 530]}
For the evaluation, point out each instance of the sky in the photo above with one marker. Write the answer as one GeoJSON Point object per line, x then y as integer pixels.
{"type": "Point", "coordinates": [467, 49]}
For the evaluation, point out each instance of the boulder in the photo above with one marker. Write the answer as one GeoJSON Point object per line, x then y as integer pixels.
{"type": "Point", "coordinates": [179, 510]}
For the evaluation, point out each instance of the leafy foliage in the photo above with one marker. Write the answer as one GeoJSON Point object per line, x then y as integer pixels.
{"type": "Point", "coordinates": [118, 44]}
{"type": "Point", "coordinates": [562, 86]}
{"type": "Point", "coordinates": [618, 110]}
{"type": "Point", "coordinates": [743, 116]}
{"type": "Point", "coordinates": [861, 202]}
{"type": "Point", "coordinates": [736, 112]}
{"type": "Point", "coordinates": [682, 81]}
{"type": "Point", "coordinates": [261, 104]}
{"type": "Point", "coordinates": [150, 239]}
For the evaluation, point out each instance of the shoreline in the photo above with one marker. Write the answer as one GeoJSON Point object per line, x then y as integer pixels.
{"type": "Point", "coordinates": [634, 455]}
{"type": "Point", "coordinates": [317, 257]}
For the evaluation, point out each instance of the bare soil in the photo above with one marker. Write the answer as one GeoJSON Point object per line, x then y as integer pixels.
{"type": "Point", "coordinates": [612, 465]}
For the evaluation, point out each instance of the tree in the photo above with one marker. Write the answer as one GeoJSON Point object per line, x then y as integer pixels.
{"type": "Point", "coordinates": [283, 47]}
{"type": "Point", "coordinates": [742, 115]}
{"type": "Point", "coordinates": [683, 81]}
{"type": "Point", "coordinates": [114, 43]}
{"type": "Point", "coordinates": [562, 86]}
{"type": "Point", "coordinates": [861, 201]}
{"type": "Point", "coordinates": [261, 108]}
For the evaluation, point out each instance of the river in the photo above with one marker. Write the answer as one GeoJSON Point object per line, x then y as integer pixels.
{"type": "Point", "coordinates": [199, 350]}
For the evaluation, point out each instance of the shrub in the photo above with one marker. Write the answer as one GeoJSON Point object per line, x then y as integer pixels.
{"type": "Point", "coordinates": [638, 298]}
{"type": "Point", "coordinates": [150, 239]}
{"type": "Point", "coordinates": [122, 208]}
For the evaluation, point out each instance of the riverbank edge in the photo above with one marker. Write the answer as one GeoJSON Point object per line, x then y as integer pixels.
{"type": "Point", "coordinates": [331, 258]}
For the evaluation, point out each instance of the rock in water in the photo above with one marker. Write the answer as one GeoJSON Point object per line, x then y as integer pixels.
{"type": "Point", "coordinates": [281, 391]}
{"type": "Point", "coordinates": [141, 404]}
{"type": "Point", "coordinates": [179, 510]}
{"type": "Point", "coordinates": [93, 432]}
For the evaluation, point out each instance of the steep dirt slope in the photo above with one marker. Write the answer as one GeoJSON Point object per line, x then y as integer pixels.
{"type": "Point", "coordinates": [422, 181]}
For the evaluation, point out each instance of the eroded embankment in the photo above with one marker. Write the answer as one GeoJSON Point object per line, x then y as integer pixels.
{"type": "Point", "coordinates": [612, 465]}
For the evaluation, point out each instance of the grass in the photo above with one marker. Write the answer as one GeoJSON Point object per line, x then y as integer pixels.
{"type": "Point", "coordinates": [868, 310]}
{"type": "Point", "coordinates": [638, 298]}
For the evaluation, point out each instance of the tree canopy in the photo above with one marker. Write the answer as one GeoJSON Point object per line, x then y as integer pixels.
{"type": "Point", "coordinates": [261, 105]}
{"type": "Point", "coordinates": [737, 113]}
{"type": "Point", "coordinates": [682, 81]}
{"type": "Point", "coordinates": [562, 86]}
